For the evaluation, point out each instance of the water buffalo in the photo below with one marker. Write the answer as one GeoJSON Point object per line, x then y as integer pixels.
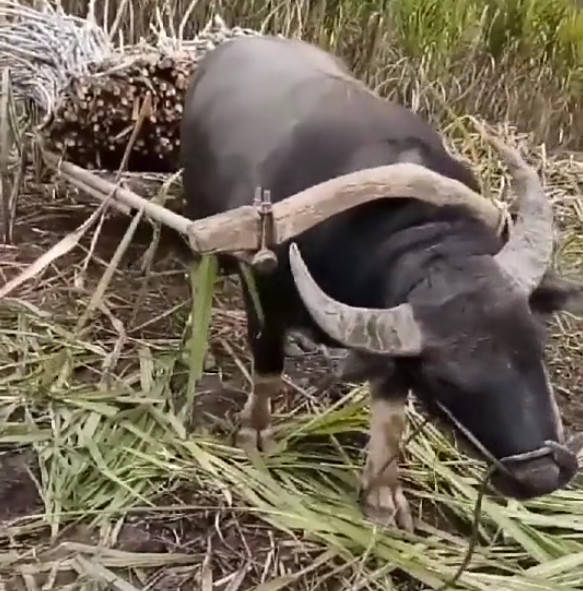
{"type": "Point", "coordinates": [425, 298]}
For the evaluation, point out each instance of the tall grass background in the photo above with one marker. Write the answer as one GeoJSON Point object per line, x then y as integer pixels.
{"type": "Point", "coordinates": [505, 60]}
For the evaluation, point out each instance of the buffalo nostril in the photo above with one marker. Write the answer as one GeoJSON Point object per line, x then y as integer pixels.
{"type": "Point", "coordinates": [539, 480]}
{"type": "Point", "coordinates": [565, 457]}
{"type": "Point", "coordinates": [530, 479]}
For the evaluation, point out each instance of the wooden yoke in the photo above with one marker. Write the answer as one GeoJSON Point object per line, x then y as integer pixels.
{"type": "Point", "coordinates": [252, 230]}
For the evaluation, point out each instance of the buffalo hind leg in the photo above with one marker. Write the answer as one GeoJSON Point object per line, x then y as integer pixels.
{"type": "Point", "coordinates": [266, 341]}
{"type": "Point", "coordinates": [384, 501]}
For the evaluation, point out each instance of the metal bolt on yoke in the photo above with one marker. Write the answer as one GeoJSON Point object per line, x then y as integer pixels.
{"type": "Point", "coordinates": [264, 260]}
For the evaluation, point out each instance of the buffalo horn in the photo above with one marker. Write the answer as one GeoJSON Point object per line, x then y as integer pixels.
{"type": "Point", "coordinates": [395, 331]}
{"type": "Point", "coordinates": [527, 254]}
{"type": "Point", "coordinates": [392, 331]}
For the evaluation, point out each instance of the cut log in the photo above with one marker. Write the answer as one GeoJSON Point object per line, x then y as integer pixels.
{"type": "Point", "coordinates": [93, 120]}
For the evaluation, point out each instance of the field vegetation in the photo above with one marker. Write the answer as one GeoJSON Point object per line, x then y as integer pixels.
{"type": "Point", "coordinates": [505, 60]}
{"type": "Point", "coordinates": [117, 404]}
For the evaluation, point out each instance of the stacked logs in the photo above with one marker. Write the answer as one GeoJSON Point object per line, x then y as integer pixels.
{"type": "Point", "coordinates": [95, 118]}
{"type": "Point", "coordinates": [96, 114]}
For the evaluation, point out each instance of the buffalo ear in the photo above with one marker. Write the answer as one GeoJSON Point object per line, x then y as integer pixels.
{"type": "Point", "coordinates": [358, 367]}
{"type": "Point", "coordinates": [555, 294]}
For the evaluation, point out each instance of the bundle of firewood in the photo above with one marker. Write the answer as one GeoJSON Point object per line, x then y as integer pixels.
{"type": "Point", "coordinates": [91, 93]}
{"type": "Point", "coordinates": [94, 119]}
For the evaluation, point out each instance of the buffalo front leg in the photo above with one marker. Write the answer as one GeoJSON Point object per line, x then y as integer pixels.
{"type": "Point", "coordinates": [266, 338]}
{"type": "Point", "coordinates": [383, 498]}
{"type": "Point", "coordinates": [255, 432]}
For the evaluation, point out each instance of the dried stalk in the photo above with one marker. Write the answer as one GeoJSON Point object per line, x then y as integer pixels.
{"type": "Point", "coordinates": [4, 152]}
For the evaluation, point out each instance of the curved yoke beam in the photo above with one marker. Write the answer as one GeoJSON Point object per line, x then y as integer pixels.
{"type": "Point", "coordinates": [237, 230]}
{"type": "Point", "coordinates": [299, 212]}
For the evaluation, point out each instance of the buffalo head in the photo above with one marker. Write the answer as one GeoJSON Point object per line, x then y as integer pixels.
{"type": "Point", "coordinates": [469, 339]}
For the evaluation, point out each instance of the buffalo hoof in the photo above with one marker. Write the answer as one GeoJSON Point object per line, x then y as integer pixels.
{"type": "Point", "coordinates": [251, 440]}
{"type": "Point", "coordinates": [388, 507]}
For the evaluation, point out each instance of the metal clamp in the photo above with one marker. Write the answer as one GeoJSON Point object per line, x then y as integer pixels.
{"type": "Point", "coordinates": [264, 260]}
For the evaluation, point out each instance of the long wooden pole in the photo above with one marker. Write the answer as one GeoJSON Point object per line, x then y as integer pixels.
{"type": "Point", "coordinates": [237, 229]}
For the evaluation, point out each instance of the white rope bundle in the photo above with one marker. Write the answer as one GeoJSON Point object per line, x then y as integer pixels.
{"type": "Point", "coordinates": [45, 50]}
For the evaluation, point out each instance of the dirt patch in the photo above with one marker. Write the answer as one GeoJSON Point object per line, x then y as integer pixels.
{"type": "Point", "coordinates": [19, 494]}
{"type": "Point", "coordinates": [566, 371]}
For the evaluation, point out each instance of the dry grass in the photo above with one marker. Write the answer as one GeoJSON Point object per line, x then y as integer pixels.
{"type": "Point", "coordinates": [108, 479]}
{"type": "Point", "coordinates": [116, 477]}
{"type": "Point", "coordinates": [515, 60]}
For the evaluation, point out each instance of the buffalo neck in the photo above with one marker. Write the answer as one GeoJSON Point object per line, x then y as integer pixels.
{"type": "Point", "coordinates": [384, 249]}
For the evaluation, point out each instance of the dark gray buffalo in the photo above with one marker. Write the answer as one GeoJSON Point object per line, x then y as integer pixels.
{"type": "Point", "coordinates": [426, 297]}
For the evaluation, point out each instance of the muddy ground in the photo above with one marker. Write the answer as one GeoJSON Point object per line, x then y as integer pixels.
{"type": "Point", "coordinates": [43, 219]}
